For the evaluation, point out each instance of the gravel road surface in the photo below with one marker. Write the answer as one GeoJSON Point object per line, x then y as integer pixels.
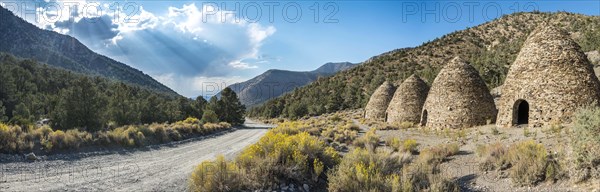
{"type": "Point", "coordinates": [155, 168]}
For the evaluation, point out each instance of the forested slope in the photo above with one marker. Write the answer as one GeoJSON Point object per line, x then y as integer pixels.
{"type": "Point", "coordinates": [490, 47]}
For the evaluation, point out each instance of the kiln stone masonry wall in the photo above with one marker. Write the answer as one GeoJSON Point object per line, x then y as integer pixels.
{"type": "Point", "coordinates": [407, 103]}
{"type": "Point", "coordinates": [458, 98]}
{"type": "Point", "coordinates": [379, 101]}
{"type": "Point", "coordinates": [552, 75]}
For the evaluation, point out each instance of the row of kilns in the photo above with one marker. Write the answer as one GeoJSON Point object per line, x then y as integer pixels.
{"type": "Point", "coordinates": [550, 79]}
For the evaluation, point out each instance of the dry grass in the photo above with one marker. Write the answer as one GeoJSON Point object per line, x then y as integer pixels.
{"type": "Point", "coordinates": [408, 145]}
{"type": "Point", "coordinates": [527, 161]}
{"type": "Point", "coordinates": [383, 170]}
{"type": "Point", "coordinates": [396, 126]}
{"type": "Point", "coordinates": [437, 154]}
{"type": "Point", "coordinates": [13, 139]}
{"type": "Point", "coordinates": [586, 145]}
{"type": "Point", "coordinates": [493, 157]}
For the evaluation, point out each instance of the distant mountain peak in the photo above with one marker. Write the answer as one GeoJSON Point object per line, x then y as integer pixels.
{"type": "Point", "coordinates": [334, 67]}
{"type": "Point", "coordinates": [275, 82]}
{"type": "Point", "coordinates": [26, 40]}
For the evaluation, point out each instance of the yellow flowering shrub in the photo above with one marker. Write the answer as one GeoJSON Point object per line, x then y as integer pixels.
{"type": "Point", "coordinates": [410, 145]}
{"type": "Point", "coordinates": [218, 175]}
{"type": "Point", "coordinates": [292, 155]}
{"type": "Point", "coordinates": [284, 154]}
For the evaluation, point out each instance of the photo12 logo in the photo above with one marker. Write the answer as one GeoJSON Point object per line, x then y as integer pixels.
{"type": "Point", "coordinates": [229, 11]}
{"type": "Point", "coordinates": [51, 11]}
{"type": "Point", "coordinates": [252, 12]}
{"type": "Point", "coordinates": [456, 11]}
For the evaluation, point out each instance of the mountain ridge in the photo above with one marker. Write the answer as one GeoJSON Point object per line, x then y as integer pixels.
{"type": "Point", "coordinates": [275, 82]}
{"type": "Point", "coordinates": [490, 47]}
{"type": "Point", "coordinates": [26, 40]}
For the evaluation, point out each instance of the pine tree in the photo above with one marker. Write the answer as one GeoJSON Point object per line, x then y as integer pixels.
{"type": "Point", "coordinates": [151, 111]}
{"type": "Point", "coordinates": [21, 115]}
{"type": "Point", "coordinates": [186, 107]}
{"type": "Point", "coordinates": [80, 106]}
{"type": "Point", "coordinates": [122, 109]}
{"type": "Point", "coordinates": [215, 106]}
{"type": "Point", "coordinates": [209, 116]}
{"type": "Point", "coordinates": [3, 117]}
{"type": "Point", "coordinates": [231, 107]}
{"type": "Point", "coordinates": [198, 106]}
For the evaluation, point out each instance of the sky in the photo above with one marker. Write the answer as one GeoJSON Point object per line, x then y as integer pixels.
{"type": "Point", "coordinates": [199, 47]}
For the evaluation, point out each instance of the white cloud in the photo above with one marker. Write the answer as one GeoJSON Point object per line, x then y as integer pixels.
{"type": "Point", "coordinates": [143, 20]}
{"type": "Point", "coordinates": [188, 43]}
{"type": "Point", "coordinates": [208, 22]}
{"type": "Point", "coordinates": [257, 35]}
{"type": "Point", "coordinates": [197, 85]}
{"type": "Point", "coordinates": [242, 65]}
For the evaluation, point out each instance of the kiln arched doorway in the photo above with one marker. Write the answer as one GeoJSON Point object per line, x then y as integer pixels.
{"type": "Point", "coordinates": [521, 112]}
{"type": "Point", "coordinates": [424, 118]}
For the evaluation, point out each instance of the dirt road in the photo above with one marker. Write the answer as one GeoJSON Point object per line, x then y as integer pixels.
{"type": "Point", "coordinates": [155, 168]}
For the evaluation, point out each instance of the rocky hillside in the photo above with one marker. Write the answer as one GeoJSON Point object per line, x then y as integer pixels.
{"type": "Point", "coordinates": [490, 47]}
{"type": "Point", "coordinates": [25, 40]}
{"type": "Point", "coordinates": [274, 83]}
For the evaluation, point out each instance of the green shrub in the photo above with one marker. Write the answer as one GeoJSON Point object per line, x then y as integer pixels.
{"type": "Point", "coordinates": [369, 141]}
{"type": "Point", "coordinates": [189, 125]}
{"type": "Point", "coordinates": [42, 132]}
{"type": "Point", "coordinates": [365, 170]}
{"type": "Point", "coordinates": [160, 132]}
{"type": "Point", "coordinates": [528, 160]}
{"type": "Point", "coordinates": [72, 139]}
{"type": "Point", "coordinates": [415, 178]}
{"type": "Point", "coordinates": [335, 118]}
{"type": "Point", "coordinates": [13, 139]}
{"type": "Point", "coordinates": [146, 130]}
{"type": "Point", "coordinates": [493, 157]}
{"type": "Point", "coordinates": [174, 134]}
{"type": "Point", "coordinates": [291, 127]}
{"type": "Point", "coordinates": [212, 127]}
{"type": "Point", "coordinates": [278, 158]}
{"type": "Point", "coordinates": [224, 125]}
{"type": "Point", "coordinates": [191, 120]}
{"type": "Point", "coordinates": [210, 116]}
{"type": "Point", "coordinates": [8, 138]}
{"type": "Point", "coordinates": [410, 145]}
{"type": "Point", "coordinates": [394, 143]}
